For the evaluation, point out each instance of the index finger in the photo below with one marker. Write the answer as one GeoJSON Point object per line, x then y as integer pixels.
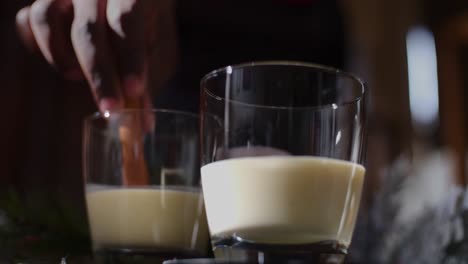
{"type": "Point", "coordinates": [91, 45]}
{"type": "Point", "coordinates": [127, 24]}
{"type": "Point", "coordinates": [24, 30]}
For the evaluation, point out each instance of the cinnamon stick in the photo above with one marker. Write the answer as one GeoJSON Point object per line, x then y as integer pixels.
{"type": "Point", "coordinates": [131, 133]}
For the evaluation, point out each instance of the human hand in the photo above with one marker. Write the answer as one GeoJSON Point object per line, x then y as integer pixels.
{"type": "Point", "coordinates": [106, 42]}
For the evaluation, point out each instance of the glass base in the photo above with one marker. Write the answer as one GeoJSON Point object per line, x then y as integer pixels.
{"type": "Point", "coordinates": [234, 249]}
{"type": "Point", "coordinates": [117, 255]}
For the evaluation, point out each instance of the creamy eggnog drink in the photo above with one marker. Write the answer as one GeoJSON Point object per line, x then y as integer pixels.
{"type": "Point", "coordinates": [282, 200]}
{"type": "Point", "coordinates": [147, 219]}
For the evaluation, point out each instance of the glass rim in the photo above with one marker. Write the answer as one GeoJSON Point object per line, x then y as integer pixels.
{"type": "Point", "coordinates": [107, 114]}
{"type": "Point", "coordinates": [309, 65]}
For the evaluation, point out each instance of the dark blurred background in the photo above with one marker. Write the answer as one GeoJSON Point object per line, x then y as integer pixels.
{"type": "Point", "coordinates": [413, 54]}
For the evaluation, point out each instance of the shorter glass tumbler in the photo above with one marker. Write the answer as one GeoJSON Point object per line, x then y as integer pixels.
{"type": "Point", "coordinates": [142, 184]}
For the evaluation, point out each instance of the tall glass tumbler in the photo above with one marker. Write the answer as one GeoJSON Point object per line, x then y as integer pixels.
{"type": "Point", "coordinates": [281, 160]}
{"type": "Point", "coordinates": [142, 183]}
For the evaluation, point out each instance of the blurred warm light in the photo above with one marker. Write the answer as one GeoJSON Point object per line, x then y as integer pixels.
{"type": "Point", "coordinates": [422, 75]}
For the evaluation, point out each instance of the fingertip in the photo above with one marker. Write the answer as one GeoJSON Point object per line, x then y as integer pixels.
{"type": "Point", "coordinates": [109, 104]}
{"type": "Point", "coordinates": [22, 17]}
{"type": "Point", "coordinates": [23, 28]}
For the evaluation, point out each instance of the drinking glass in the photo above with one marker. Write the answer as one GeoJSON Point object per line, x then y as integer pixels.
{"type": "Point", "coordinates": [142, 186]}
{"type": "Point", "coordinates": [281, 160]}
